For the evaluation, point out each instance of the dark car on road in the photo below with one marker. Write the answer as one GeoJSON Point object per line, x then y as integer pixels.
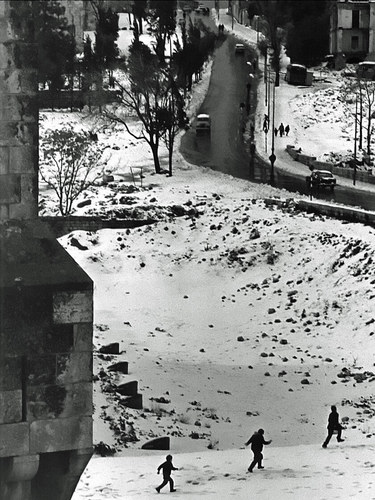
{"type": "Point", "coordinates": [321, 179]}
{"type": "Point", "coordinates": [202, 9]}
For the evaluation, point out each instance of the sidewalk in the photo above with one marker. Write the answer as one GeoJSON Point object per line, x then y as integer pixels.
{"type": "Point", "coordinates": [283, 114]}
{"type": "Point", "coordinates": [324, 138]}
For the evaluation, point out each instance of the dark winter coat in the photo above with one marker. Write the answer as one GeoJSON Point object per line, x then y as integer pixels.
{"type": "Point", "coordinates": [333, 421]}
{"type": "Point", "coordinates": [257, 441]}
{"type": "Point", "coordinates": [167, 468]}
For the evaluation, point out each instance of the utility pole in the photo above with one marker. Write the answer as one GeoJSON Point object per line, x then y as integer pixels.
{"type": "Point", "coordinates": [272, 157]}
{"type": "Point", "coordinates": [355, 140]}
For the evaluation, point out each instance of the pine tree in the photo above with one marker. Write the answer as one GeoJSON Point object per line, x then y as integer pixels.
{"type": "Point", "coordinates": [162, 19]}
{"type": "Point", "coordinates": [55, 42]}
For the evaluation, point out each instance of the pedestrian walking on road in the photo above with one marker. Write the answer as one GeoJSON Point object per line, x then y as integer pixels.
{"type": "Point", "coordinates": [333, 425]}
{"type": "Point", "coordinates": [287, 129]}
{"type": "Point", "coordinates": [275, 130]}
{"type": "Point", "coordinates": [257, 441]}
{"type": "Point", "coordinates": [266, 123]}
{"type": "Point", "coordinates": [281, 130]}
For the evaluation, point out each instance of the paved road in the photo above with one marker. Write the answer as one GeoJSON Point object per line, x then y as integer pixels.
{"type": "Point", "coordinates": [226, 150]}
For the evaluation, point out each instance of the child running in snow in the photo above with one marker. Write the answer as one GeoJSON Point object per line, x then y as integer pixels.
{"type": "Point", "coordinates": [167, 468]}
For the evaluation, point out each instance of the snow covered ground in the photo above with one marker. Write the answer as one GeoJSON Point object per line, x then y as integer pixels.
{"type": "Point", "coordinates": [233, 314]}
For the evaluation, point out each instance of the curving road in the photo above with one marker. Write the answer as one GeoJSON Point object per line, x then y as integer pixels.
{"type": "Point", "coordinates": [225, 149]}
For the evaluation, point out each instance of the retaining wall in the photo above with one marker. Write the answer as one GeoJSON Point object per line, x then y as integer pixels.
{"type": "Point", "coordinates": [63, 225]}
{"type": "Point", "coordinates": [311, 161]}
{"type": "Point", "coordinates": [338, 211]}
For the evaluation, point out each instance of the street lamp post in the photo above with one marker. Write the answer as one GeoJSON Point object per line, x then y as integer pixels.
{"type": "Point", "coordinates": [248, 88]}
{"type": "Point", "coordinates": [272, 157]}
{"type": "Point", "coordinates": [355, 140]}
{"type": "Point", "coordinates": [269, 92]}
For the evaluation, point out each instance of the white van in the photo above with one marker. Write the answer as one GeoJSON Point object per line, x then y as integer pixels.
{"type": "Point", "coordinates": [203, 124]}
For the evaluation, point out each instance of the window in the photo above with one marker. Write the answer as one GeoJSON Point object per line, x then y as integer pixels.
{"type": "Point", "coordinates": [355, 19]}
{"type": "Point", "coordinates": [355, 42]}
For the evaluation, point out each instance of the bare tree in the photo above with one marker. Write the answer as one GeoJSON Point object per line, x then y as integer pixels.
{"type": "Point", "coordinates": [70, 164]}
{"type": "Point", "coordinates": [361, 92]}
{"type": "Point", "coordinates": [143, 96]}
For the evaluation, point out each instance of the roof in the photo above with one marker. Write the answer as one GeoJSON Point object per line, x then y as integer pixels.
{"type": "Point", "coordinates": [324, 172]}
{"type": "Point", "coordinates": [297, 66]}
{"type": "Point", "coordinates": [203, 116]}
{"type": "Point", "coordinates": [30, 253]}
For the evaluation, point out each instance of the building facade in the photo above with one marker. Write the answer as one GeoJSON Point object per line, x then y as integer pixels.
{"type": "Point", "coordinates": [81, 16]}
{"type": "Point", "coordinates": [352, 29]}
{"type": "Point", "coordinates": [238, 8]}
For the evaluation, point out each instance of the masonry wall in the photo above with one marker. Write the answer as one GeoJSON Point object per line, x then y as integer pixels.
{"type": "Point", "coordinates": [18, 120]}
{"type": "Point", "coordinates": [46, 301]}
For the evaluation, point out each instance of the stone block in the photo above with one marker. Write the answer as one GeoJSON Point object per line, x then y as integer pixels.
{"type": "Point", "coordinates": [16, 133]}
{"type": "Point", "coordinates": [121, 367]}
{"type": "Point", "coordinates": [41, 370]}
{"type": "Point", "coordinates": [60, 338]}
{"type": "Point", "coordinates": [23, 159]}
{"type": "Point", "coordinates": [72, 307]}
{"type": "Point", "coordinates": [10, 188]}
{"type": "Point", "coordinates": [10, 107]}
{"type": "Point", "coordinates": [14, 439]}
{"type": "Point", "coordinates": [113, 348]}
{"type": "Point", "coordinates": [23, 468]}
{"type": "Point", "coordinates": [4, 160]}
{"type": "Point", "coordinates": [78, 459]}
{"type": "Point", "coordinates": [134, 402]}
{"type": "Point", "coordinates": [4, 212]}
{"type": "Point", "coordinates": [17, 490]}
{"type": "Point", "coordinates": [128, 389]}
{"type": "Point", "coordinates": [45, 402]}
{"type": "Point", "coordinates": [83, 337]}
{"type": "Point", "coordinates": [3, 54]}
{"type": "Point", "coordinates": [10, 406]}
{"type": "Point", "coordinates": [79, 400]}
{"type": "Point", "coordinates": [10, 373]}
{"type": "Point", "coordinates": [29, 188]}
{"type": "Point", "coordinates": [10, 80]}
{"type": "Point", "coordinates": [55, 401]}
{"type": "Point", "coordinates": [4, 29]}
{"type": "Point", "coordinates": [74, 367]}
{"type": "Point", "coordinates": [24, 210]}
{"type": "Point", "coordinates": [21, 55]}
{"type": "Point", "coordinates": [162, 443]}
{"type": "Point", "coordinates": [60, 434]}
{"type": "Point", "coordinates": [29, 81]}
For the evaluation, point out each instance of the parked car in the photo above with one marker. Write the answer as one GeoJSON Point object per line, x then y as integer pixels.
{"type": "Point", "coordinates": [239, 48]}
{"type": "Point", "coordinates": [203, 124]}
{"type": "Point", "coordinates": [202, 9]}
{"type": "Point", "coordinates": [366, 70]}
{"type": "Point", "coordinates": [321, 178]}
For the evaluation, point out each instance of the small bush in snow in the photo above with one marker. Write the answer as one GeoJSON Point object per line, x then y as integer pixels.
{"type": "Point", "coordinates": [70, 164]}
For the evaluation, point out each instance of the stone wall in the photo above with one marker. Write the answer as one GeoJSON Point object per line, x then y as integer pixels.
{"type": "Point", "coordinates": [63, 225]}
{"type": "Point", "coordinates": [311, 161]}
{"type": "Point", "coordinates": [45, 365]}
{"type": "Point", "coordinates": [18, 119]}
{"type": "Point", "coordinates": [46, 301]}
